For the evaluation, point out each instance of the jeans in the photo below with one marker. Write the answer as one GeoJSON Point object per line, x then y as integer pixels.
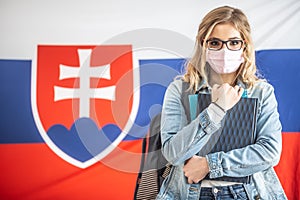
{"type": "Point", "coordinates": [223, 193]}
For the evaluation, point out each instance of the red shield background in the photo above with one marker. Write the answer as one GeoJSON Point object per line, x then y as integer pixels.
{"type": "Point", "coordinates": [102, 111]}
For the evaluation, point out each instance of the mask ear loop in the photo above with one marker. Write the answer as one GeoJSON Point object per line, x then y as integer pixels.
{"type": "Point", "coordinates": [239, 71]}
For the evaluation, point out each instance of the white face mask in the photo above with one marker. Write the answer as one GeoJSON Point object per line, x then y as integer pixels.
{"type": "Point", "coordinates": [224, 61]}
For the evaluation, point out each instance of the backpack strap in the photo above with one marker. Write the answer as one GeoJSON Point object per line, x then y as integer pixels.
{"type": "Point", "coordinates": [185, 99]}
{"type": "Point", "coordinates": [142, 163]}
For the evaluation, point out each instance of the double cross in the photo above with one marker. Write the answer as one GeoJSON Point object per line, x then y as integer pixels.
{"type": "Point", "coordinates": [84, 92]}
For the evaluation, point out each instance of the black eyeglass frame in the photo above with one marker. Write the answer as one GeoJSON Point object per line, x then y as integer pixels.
{"type": "Point", "coordinates": [225, 42]}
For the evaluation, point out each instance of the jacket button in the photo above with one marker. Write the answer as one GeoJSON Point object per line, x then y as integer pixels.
{"type": "Point", "coordinates": [216, 190]}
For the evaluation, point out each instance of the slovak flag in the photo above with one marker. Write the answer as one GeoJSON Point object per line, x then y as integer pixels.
{"type": "Point", "coordinates": [73, 118]}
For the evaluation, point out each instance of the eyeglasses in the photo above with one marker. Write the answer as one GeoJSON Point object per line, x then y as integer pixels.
{"type": "Point", "coordinates": [216, 44]}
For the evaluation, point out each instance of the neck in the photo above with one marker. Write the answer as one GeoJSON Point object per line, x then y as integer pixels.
{"type": "Point", "coordinates": [220, 79]}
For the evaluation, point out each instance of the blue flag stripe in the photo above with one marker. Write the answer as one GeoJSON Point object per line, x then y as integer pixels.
{"type": "Point", "coordinates": [279, 67]}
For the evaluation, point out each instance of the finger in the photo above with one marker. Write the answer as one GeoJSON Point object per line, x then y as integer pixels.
{"type": "Point", "coordinates": [190, 181]}
{"type": "Point", "coordinates": [196, 181]}
{"type": "Point", "coordinates": [216, 86]}
{"type": "Point", "coordinates": [237, 88]}
{"type": "Point", "coordinates": [231, 90]}
{"type": "Point", "coordinates": [226, 85]}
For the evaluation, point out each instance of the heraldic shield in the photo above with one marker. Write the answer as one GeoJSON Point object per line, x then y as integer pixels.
{"type": "Point", "coordinates": [84, 99]}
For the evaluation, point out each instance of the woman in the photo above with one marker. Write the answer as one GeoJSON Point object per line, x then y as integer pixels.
{"type": "Point", "coordinates": [223, 65]}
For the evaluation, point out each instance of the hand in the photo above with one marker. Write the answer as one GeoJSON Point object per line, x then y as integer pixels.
{"type": "Point", "coordinates": [225, 95]}
{"type": "Point", "coordinates": [195, 169]}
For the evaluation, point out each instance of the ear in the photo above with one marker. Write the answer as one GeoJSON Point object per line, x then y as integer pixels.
{"type": "Point", "coordinates": [245, 44]}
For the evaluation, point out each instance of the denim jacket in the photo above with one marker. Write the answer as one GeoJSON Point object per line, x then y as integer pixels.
{"type": "Point", "coordinates": [181, 140]}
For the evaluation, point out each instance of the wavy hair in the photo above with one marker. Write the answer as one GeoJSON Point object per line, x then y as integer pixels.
{"type": "Point", "coordinates": [196, 68]}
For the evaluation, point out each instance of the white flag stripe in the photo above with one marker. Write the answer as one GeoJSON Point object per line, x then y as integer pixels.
{"type": "Point", "coordinates": [275, 23]}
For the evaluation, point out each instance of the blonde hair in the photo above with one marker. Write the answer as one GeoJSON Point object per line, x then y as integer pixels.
{"type": "Point", "coordinates": [196, 67]}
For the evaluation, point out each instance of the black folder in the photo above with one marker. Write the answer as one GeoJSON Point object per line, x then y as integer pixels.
{"type": "Point", "coordinates": [237, 131]}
